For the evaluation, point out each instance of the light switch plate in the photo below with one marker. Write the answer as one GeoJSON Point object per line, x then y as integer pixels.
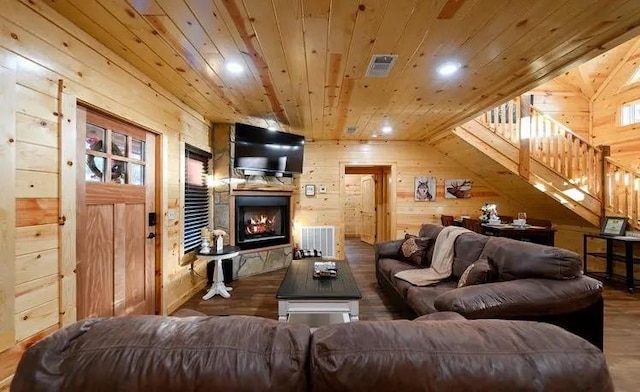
{"type": "Point", "coordinates": [322, 189]}
{"type": "Point", "coordinates": [171, 214]}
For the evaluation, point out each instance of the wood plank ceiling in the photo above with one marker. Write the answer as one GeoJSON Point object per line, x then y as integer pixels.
{"type": "Point", "coordinates": [305, 60]}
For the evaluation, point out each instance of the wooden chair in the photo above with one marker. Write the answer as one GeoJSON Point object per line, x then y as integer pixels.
{"type": "Point", "coordinates": [472, 224]}
{"type": "Point", "coordinates": [546, 223]}
{"type": "Point", "coordinates": [446, 220]}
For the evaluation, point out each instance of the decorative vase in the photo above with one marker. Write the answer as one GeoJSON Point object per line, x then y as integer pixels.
{"type": "Point", "coordinates": [219, 243]}
{"type": "Point", "coordinates": [205, 247]}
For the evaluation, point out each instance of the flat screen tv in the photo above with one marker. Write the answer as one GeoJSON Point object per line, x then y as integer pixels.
{"type": "Point", "coordinates": [264, 152]}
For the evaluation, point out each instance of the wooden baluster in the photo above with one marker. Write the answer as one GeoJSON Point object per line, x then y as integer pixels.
{"type": "Point", "coordinates": [554, 148]}
{"type": "Point", "coordinates": [516, 138]}
{"type": "Point", "coordinates": [535, 126]}
{"type": "Point", "coordinates": [513, 111]}
{"type": "Point", "coordinates": [626, 195]}
{"type": "Point", "coordinates": [594, 178]}
{"type": "Point", "coordinates": [579, 162]}
{"type": "Point", "coordinates": [569, 146]}
{"type": "Point", "coordinates": [546, 147]}
{"type": "Point", "coordinates": [636, 202]}
{"type": "Point", "coordinates": [585, 166]}
{"type": "Point", "coordinates": [502, 121]}
{"type": "Point", "coordinates": [560, 143]}
{"type": "Point", "coordinates": [525, 143]}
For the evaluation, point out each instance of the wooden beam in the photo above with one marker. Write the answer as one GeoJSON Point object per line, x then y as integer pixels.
{"type": "Point", "coordinates": [450, 9]}
{"type": "Point", "coordinates": [67, 180]}
{"type": "Point", "coordinates": [615, 70]}
{"type": "Point", "coordinates": [7, 206]}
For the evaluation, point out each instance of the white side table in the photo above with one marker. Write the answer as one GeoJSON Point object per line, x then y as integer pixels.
{"type": "Point", "coordinates": [218, 287]}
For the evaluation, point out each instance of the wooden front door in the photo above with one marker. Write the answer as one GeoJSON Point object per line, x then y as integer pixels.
{"type": "Point", "coordinates": [368, 192]}
{"type": "Point", "coordinates": [116, 194]}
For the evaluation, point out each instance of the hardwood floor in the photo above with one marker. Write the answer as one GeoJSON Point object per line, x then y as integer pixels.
{"type": "Point", "coordinates": [255, 296]}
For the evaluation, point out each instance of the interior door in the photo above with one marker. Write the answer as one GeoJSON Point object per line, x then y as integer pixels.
{"type": "Point", "coordinates": [368, 194]}
{"type": "Point", "coordinates": [115, 241]}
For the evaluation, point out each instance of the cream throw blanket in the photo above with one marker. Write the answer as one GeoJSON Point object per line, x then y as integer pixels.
{"type": "Point", "coordinates": [442, 260]}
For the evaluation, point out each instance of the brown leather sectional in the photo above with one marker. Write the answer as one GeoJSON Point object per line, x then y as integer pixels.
{"type": "Point", "coordinates": [442, 352]}
{"type": "Point", "coordinates": [534, 282]}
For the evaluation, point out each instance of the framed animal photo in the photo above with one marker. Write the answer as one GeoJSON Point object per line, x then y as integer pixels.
{"type": "Point", "coordinates": [425, 189]}
{"type": "Point", "coordinates": [457, 189]}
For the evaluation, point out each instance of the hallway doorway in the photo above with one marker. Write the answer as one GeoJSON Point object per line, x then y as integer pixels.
{"type": "Point", "coordinates": [368, 202]}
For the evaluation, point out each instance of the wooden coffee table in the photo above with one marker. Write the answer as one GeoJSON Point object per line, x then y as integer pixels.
{"type": "Point", "coordinates": [301, 298]}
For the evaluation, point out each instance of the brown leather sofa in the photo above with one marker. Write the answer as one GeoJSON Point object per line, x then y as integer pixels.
{"type": "Point", "coordinates": [534, 282]}
{"type": "Point", "coordinates": [243, 353]}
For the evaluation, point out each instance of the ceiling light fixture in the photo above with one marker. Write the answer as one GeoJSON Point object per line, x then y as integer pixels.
{"type": "Point", "coordinates": [234, 67]}
{"type": "Point", "coordinates": [386, 129]}
{"type": "Point", "coordinates": [448, 69]}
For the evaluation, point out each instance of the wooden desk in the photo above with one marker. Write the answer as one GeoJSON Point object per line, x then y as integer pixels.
{"type": "Point", "coordinates": [535, 234]}
{"type": "Point", "coordinates": [609, 255]}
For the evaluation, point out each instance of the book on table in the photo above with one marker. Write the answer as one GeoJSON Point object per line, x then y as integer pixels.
{"type": "Point", "coordinates": [324, 269]}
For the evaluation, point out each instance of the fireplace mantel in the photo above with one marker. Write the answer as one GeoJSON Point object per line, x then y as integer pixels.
{"type": "Point", "coordinates": [280, 188]}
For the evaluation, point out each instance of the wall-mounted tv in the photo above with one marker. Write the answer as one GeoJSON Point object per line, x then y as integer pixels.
{"type": "Point", "coordinates": [264, 152]}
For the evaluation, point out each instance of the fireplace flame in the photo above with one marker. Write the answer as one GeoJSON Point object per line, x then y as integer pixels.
{"type": "Point", "coordinates": [259, 225]}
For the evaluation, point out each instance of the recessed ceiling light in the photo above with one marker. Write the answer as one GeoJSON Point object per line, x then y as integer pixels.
{"type": "Point", "coordinates": [234, 67]}
{"type": "Point", "coordinates": [447, 69]}
{"type": "Point", "coordinates": [387, 129]}
{"type": "Point", "coordinates": [374, 135]}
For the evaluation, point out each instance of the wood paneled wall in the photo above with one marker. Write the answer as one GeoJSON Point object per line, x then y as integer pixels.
{"type": "Point", "coordinates": [564, 103]}
{"type": "Point", "coordinates": [40, 47]}
{"type": "Point", "coordinates": [607, 128]}
{"type": "Point", "coordinates": [322, 162]}
{"type": "Point", "coordinates": [352, 205]}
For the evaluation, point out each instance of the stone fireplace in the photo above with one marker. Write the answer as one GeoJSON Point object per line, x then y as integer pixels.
{"type": "Point", "coordinates": [267, 241]}
{"type": "Point", "coordinates": [261, 221]}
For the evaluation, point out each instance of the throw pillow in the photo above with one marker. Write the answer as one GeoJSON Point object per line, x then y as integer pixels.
{"type": "Point", "coordinates": [414, 250]}
{"type": "Point", "coordinates": [480, 271]}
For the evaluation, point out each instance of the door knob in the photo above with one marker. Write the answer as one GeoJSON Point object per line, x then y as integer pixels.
{"type": "Point", "coordinates": [151, 235]}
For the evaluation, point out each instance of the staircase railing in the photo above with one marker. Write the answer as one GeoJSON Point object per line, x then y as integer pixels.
{"type": "Point", "coordinates": [584, 166]}
{"type": "Point", "coordinates": [504, 120]}
{"type": "Point", "coordinates": [566, 153]}
{"type": "Point", "coordinates": [550, 142]}
{"type": "Point", "coordinates": [622, 195]}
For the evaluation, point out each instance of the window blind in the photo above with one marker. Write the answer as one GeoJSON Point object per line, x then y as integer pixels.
{"type": "Point", "coordinates": [196, 196]}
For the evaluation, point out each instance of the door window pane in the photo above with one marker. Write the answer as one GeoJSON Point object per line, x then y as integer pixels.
{"type": "Point", "coordinates": [94, 168]}
{"type": "Point", "coordinates": [137, 149]}
{"type": "Point", "coordinates": [119, 144]}
{"type": "Point", "coordinates": [137, 174]}
{"type": "Point", "coordinates": [119, 172]}
{"type": "Point", "coordinates": [94, 138]}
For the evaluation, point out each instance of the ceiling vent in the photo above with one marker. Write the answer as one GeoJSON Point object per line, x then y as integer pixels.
{"type": "Point", "coordinates": [351, 130]}
{"type": "Point", "coordinates": [380, 65]}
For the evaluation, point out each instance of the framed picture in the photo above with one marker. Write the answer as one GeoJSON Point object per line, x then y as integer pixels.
{"type": "Point", "coordinates": [425, 189]}
{"type": "Point", "coordinates": [310, 190]}
{"type": "Point", "coordinates": [457, 189]}
{"type": "Point", "coordinates": [614, 225]}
